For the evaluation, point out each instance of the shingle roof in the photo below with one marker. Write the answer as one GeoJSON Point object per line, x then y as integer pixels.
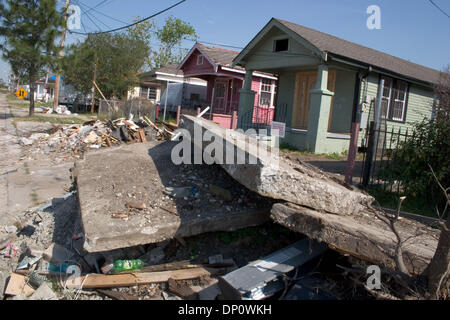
{"type": "Point", "coordinates": [330, 44]}
{"type": "Point", "coordinates": [170, 69]}
{"type": "Point", "coordinates": [220, 56]}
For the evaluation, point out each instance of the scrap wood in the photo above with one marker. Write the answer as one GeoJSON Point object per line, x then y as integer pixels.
{"type": "Point", "coordinates": [182, 290]}
{"type": "Point", "coordinates": [93, 281]}
{"type": "Point", "coordinates": [142, 135]}
{"type": "Point", "coordinates": [152, 124]}
{"type": "Point", "coordinates": [179, 265]}
{"type": "Point", "coordinates": [18, 285]}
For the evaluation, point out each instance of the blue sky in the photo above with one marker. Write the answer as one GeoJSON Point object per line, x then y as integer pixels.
{"type": "Point", "coordinates": [414, 30]}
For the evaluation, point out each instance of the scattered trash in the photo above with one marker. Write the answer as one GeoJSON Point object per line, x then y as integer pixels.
{"type": "Point", "coordinates": [10, 251]}
{"type": "Point", "coordinates": [11, 229]}
{"type": "Point", "coordinates": [180, 192]}
{"type": "Point", "coordinates": [309, 288]}
{"type": "Point", "coordinates": [128, 265]}
{"type": "Point", "coordinates": [262, 278]}
{"type": "Point", "coordinates": [27, 262]}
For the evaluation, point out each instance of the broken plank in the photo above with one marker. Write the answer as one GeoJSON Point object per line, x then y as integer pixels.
{"type": "Point", "coordinates": [179, 265]}
{"type": "Point", "coordinates": [363, 235]}
{"type": "Point", "coordinates": [92, 281]}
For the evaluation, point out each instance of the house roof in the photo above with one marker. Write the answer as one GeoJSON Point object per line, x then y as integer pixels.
{"type": "Point", "coordinates": [219, 56]}
{"type": "Point", "coordinates": [347, 50]}
{"type": "Point", "coordinates": [170, 69]}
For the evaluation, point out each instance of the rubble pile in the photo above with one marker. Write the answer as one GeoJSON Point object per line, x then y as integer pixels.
{"type": "Point", "coordinates": [95, 134]}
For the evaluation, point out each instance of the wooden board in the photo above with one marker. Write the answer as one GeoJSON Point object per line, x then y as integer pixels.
{"type": "Point", "coordinates": [17, 285]}
{"type": "Point", "coordinates": [92, 281]}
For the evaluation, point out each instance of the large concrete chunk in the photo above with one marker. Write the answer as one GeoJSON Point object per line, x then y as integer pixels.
{"type": "Point", "coordinates": [109, 180]}
{"type": "Point", "coordinates": [363, 235]}
{"type": "Point", "coordinates": [274, 176]}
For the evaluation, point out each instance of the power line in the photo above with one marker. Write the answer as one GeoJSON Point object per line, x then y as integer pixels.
{"type": "Point", "coordinates": [133, 24]}
{"type": "Point", "coordinates": [439, 8]}
{"type": "Point", "coordinates": [99, 12]}
{"type": "Point", "coordinates": [89, 17]}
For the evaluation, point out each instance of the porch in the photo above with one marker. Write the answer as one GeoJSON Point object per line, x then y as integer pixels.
{"type": "Point", "coordinates": [315, 102]}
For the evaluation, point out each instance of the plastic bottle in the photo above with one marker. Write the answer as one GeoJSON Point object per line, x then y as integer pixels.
{"type": "Point", "coordinates": [128, 265]}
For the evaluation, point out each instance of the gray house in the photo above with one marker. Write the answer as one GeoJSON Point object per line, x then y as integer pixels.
{"type": "Point", "coordinates": [327, 83]}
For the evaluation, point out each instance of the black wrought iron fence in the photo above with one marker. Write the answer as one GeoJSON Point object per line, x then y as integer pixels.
{"type": "Point", "coordinates": [379, 148]}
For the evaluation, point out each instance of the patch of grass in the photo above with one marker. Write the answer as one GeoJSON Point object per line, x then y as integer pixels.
{"type": "Point", "coordinates": [55, 120]}
{"type": "Point", "coordinates": [285, 147]}
{"type": "Point", "coordinates": [412, 204]}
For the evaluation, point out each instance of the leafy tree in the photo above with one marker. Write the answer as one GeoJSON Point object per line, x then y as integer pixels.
{"type": "Point", "coordinates": [144, 31]}
{"type": "Point", "coordinates": [29, 28]}
{"type": "Point", "coordinates": [170, 37]}
{"type": "Point", "coordinates": [119, 59]}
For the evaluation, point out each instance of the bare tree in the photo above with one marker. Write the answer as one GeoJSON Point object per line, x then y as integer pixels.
{"type": "Point", "coordinates": [438, 270]}
{"type": "Point", "coordinates": [442, 90]}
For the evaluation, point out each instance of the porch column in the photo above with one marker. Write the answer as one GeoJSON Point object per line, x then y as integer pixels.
{"type": "Point", "coordinates": [246, 101]}
{"type": "Point", "coordinates": [319, 111]}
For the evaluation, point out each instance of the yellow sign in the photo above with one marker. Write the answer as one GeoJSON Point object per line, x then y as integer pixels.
{"type": "Point", "coordinates": [21, 93]}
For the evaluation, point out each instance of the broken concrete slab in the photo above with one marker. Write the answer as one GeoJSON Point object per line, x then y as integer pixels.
{"type": "Point", "coordinates": [274, 176]}
{"type": "Point", "coordinates": [363, 236]}
{"type": "Point", "coordinates": [107, 179]}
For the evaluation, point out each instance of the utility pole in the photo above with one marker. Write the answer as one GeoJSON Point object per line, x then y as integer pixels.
{"type": "Point", "coordinates": [60, 53]}
{"type": "Point", "coordinates": [93, 87]}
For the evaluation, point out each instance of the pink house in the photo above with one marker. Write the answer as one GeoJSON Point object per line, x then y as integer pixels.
{"type": "Point", "coordinates": [224, 81]}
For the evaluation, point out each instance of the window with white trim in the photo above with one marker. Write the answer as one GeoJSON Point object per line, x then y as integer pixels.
{"type": "Point", "coordinates": [265, 96]}
{"type": "Point", "coordinates": [199, 60]}
{"type": "Point", "coordinates": [393, 105]}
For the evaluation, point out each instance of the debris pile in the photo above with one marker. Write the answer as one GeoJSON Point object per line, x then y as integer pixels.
{"type": "Point", "coordinates": [96, 134]}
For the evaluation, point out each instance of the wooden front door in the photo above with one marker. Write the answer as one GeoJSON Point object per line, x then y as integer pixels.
{"type": "Point", "coordinates": [220, 96]}
{"type": "Point", "coordinates": [305, 81]}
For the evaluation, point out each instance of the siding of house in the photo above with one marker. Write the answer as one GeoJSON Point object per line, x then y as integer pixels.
{"type": "Point", "coordinates": [341, 116]}
{"type": "Point", "coordinates": [264, 57]}
{"type": "Point", "coordinates": [191, 66]}
{"type": "Point", "coordinates": [419, 105]}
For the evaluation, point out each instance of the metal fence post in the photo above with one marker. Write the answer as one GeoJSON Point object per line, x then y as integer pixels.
{"type": "Point", "coordinates": [369, 157]}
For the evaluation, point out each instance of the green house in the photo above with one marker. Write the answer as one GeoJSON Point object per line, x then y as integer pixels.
{"type": "Point", "coordinates": [326, 83]}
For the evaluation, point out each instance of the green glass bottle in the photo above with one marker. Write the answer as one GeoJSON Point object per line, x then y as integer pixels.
{"type": "Point", "coordinates": [127, 265]}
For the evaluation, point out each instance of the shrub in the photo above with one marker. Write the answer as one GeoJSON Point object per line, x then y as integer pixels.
{"type": "Point", "coordinates": [430, 145]}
